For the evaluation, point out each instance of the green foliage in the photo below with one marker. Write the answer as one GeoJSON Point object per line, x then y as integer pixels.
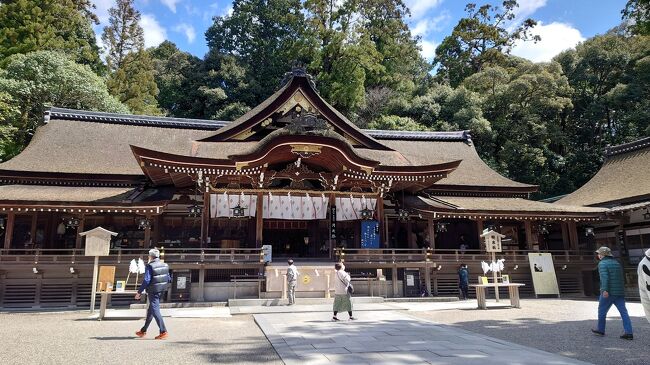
{"type": "Point", "coordinates": [134, 85]}
{"type": "Point", "coordinates": [123, 35]}
{"type": "Point", "coordinates": [30, 82]}
{"type": "Point", "coordinates": [482, 38]}
{"type": "Point", "coordinates": [265, 36]}
{"type": "Point", "coordinates": [394, 122]}
{"type": "Point", "coordinates": [637, 13]}
{"type": "Point", "coordinates": [61, 25]}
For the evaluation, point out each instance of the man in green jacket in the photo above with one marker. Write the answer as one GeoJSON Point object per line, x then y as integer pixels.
{"type": "Point", "coordinates": [612, 291]}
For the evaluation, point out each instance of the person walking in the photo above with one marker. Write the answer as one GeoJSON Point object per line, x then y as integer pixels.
{"type": "Point", "coordinates": [342, 292]}
{"type": "Point", "coordinates": [612, 292]}
{"type": "Point", "coordinates": [463, 281]}
{"type": "Point", "coordinates": [156, 282]}
{"type": "Point", "coordinates": [292, 281]}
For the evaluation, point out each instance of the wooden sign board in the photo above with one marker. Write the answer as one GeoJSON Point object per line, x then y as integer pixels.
{"type": "Point", "coordinates": [492, 241]}
{"type": "Point", "coordinates": [542, 270]}
{"type": "Point", "coordinates": [98, 241]}
{"type": "Point", "coordinates": [106, 278]}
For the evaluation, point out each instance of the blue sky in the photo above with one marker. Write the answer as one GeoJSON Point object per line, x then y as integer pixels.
{"type": "Point", "coordinates": [562, 23]}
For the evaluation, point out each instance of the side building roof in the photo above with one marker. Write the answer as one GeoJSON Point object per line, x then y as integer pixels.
{"type": "Point", "coordinates": [624, 178]}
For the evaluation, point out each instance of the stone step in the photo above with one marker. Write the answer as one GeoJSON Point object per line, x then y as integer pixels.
{"type": "Point", "coordinates": [299, 301]}
{"type": "Point", "coordinates": [181, 305]}
{"type": "Point", "coordinates": [422, 299]}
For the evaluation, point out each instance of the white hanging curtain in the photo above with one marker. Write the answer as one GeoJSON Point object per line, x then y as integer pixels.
{"type": "Point", "coordinates": [221, 204]}
{"type": "Point", "coordinates": [295, 207]}
{"type": "Point", "coordinates": [349, 208]}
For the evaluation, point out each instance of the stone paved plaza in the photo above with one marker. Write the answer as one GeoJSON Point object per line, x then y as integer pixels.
{"type": "Point", "coordinates": [388, 337]}
{"type": "Point", "coordinates": [542, 332]}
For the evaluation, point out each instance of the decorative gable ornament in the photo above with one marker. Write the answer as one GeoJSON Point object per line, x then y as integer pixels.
{"type": "Point", "coordinates": [98, 241]}
{"type": "Point", "coordinates": [492, 240]}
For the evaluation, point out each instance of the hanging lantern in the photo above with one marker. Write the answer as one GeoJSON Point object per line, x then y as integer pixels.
{"type": "Point", "coordinates": [441, 227]}
{"type": "Point", "coordinates": [238, 211]}
{"type": "Point", "coordinates": [646, 215]}
{"type": "Point", "coordinates": [2, 223]}
{"type": "Point", "coordinates": [403, 215]}
{"type": "Point", "coordinates": [72, 222]}
{"type": "Point", "coordinates": [366, 213]}
{"type": "Point", "coordinates": [195, 210]}
{"type": "Point", "coordinates": [543, 229]}
{"type": "Point", "coordinates": [144, 223]}
{"type": "Point", "coordinates": [589, 231]}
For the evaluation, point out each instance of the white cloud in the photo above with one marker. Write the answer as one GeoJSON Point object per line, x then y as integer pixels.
{"type": "Point", "coordinates": [171, 4]}
{"type": "Point", "coordinates": [428, 49]}
{"type": "Point", "coordinates": [419, 8]}
{"type": "Point", "coordinates": [154, 33]}
{"type": "Point", "coordinates": [527, 8]}
{"type": "Point", "coordinates": [101, 9]}
{"type": "Point", "coordinates": [186, 29]}
{"type": "Point", "coordinates": [556, 37]}
{"type": "Point", "coordinates": [425, 26]}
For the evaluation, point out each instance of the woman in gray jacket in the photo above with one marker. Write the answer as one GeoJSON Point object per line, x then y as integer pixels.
{"type": "Point", "coordinates": [342, 301]}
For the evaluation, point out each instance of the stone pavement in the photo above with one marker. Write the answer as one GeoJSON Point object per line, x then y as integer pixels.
{"type": "Point", "coordinates": [388, 337]}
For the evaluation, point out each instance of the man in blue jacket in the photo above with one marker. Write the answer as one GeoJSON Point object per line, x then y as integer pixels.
{"type": "Point", "coordinates": [612, 291]}
{"type": "Point", "coordinates": [156, 282]}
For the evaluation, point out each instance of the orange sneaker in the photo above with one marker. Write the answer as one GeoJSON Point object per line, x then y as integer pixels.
{"type": "Point", "coordinates": [141, 334]}
{"type": "Point", "coordinates": [161, 336]}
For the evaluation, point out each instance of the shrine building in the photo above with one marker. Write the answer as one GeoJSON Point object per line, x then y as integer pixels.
{"type": "Point", "coordinates": [291, 178]}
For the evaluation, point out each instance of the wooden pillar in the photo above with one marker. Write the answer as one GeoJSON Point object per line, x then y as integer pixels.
{"type": "Point", "coordinates": [32, 228]}
{"type": "Point", "coordinates": [479, 227]}
{"type": "Point", "coordinates": [205, 219]}
{"type": "Point", "coordinates": [381, 220]}
{"type": "Point", "coordinates": [157, 228]}
{"type": "Point", "coordinates": [573, 235]}
{"type": "Point", "coordinates": [259, 220]}
{"type": "Point", "coordinates": [530, 241]}
{"type": "Point", "coordinates": [432, 234]}
{"type": "Point", "coordinates": [565, 235]}
{"type": "Point", "coordinates": [332, 241]}
{"type": "Point", "coordinates": [147, 233]}
{"type": "Point", "coordinates": [394, 281]}
{"type": "Point", "coordinates": [80, 229]}
{"type": "Point", "coordinates": [9, 229]}
{"type": "Point", "coordinates": [201, 297]}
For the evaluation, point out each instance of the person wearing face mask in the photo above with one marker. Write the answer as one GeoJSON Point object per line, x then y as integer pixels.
{"type": "Point", "coordinates": [612, 292]}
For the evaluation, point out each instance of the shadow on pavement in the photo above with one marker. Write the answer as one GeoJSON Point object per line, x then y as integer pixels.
{"type": "Point", "coordinates": [570, 338]}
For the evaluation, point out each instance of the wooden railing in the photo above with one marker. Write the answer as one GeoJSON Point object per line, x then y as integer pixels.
{"type": "Point", "coordinates": [117, 256]}
{"type": "Point", "coordinates": [379, 255]}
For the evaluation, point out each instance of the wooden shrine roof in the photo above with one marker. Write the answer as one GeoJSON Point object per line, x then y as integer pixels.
{"type": "Point", "coordinates": [471, 206]}
{"type": "Point", "coordinates": [624, 178]}
{"type": "Point", "coordinates": [92, 145]}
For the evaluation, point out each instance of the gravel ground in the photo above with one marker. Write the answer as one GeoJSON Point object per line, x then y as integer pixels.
{"type": "Point", "coordinates": [70, 338]}
{"type": "Point", "coordinates": [557, 326]}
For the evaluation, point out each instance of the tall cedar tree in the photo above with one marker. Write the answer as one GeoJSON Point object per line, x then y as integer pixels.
{"type": "Point", "coordinates": [265, 36]}
{"type": "Point", "coordinates": [482, 38]}
{"type": "Point", "coordinates": [123, 35]}
{"type": "Point", "coordinates": [59, 25]}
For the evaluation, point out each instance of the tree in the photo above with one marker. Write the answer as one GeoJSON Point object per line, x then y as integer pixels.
{"type": "Point", "coordinates": [265, 36]}
{"type": "Point", "coordinates": [178, 76]}
{"type": "Point", "coordinates": [637, 13]}
{"type": "Point", "coordinates": [134, 84]}
{"type": "Point", "coordinates": [123, 35]}
{"type": "Point", "coordinates": [402, 66]}
{"type": "Point", "coordinates": [526, 104]}
{"type": "Point", "coordinates": [394, 122]}
{"type": "Point", "coordinates": [62, 25]}
{"type": "Point", "coordinates": [30, 82]}
{"type": "Point", "coordinates": [483, 38]}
